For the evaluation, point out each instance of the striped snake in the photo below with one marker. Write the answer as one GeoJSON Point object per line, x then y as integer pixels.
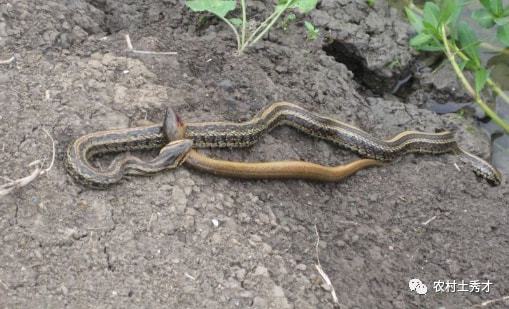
{"type": "Point", "coordinates": [245, 134]}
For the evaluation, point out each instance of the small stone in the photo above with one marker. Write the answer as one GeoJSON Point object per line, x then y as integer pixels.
{"type": "Point", "coordinates": [281, 69]}
{"type": "Point", "coordinates": [259, 302]}
{"type": "Point", "coordinates": [165, 188]}
{"type": "Point", "coordinates": [79, 33]}
{"type": "Point", "coordinates": [301, 267]}
{"type": "Point", "coordinates": [261, 271]}
{"type": "Point", "coordinates": [215, 222]}
{"type": "Point", "coordinates": [256, 238]}
{"type": "Point", "coordinates": [340, 243]}
{"type": "Point", "coordinates": [278, 291]}
{"type": "Point", "coordinates": [179, 199]}
{"type": "Point", "coordinates": [355, 238]}
{"type": "Point", "coordinates": [266, 248]}
{"type": "Point", "coordinates": [189, 222]}
{"type": "Point", "coordinates": [246, 294]}
{"type": "Point", "coordinates": [240, 274]}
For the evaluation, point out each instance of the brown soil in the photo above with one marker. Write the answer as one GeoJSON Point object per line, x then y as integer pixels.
{"type": "Point", "coordinates": [151, 242]}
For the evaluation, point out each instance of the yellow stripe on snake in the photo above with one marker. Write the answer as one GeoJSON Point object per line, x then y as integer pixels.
{"type": "Point", "coordinates": [177, 138]}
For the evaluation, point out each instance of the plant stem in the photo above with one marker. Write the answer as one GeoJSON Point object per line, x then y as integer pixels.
{"type": "Point", "coordinates": [413, 7]}
{"type": "Point", "coordinates": [489, 81]}
{"type": "Point", "coordinates": [450, 56]}
{"type": "Point", "coordinates": [274, 19]}
{"type": "Point", "coordinates": [497, 90]}
{"type": "Point", "coordinates": [244, 21]}
{"type": "Point", "coordinates": [234, 30]}
{"type": "Point", "coordinates": [247, 43]}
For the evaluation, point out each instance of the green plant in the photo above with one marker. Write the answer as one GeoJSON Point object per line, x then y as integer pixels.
{"type": "Point", "coordinates": [313, 32]}
{"type": "Point", "coordinates": [493, 13]}
{"type": "Point", "coordinates": [285, 23]}
{"type": "Point", "coordinates": [440, 29]}
{"type": "Point", "coordinates": [394, 64]}
{"type": "Point", "coordinates": [221, 8]}
{"type": "Point", "coordinates": [371, 3]}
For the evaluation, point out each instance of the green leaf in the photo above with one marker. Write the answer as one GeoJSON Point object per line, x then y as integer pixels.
{"type": "Point", "coordinates": [469, 42]}
{"type": "Point", "coordinates": [483, 18]}
{"type": "Point", "coordinates": [304, 6]}
{"type": "Point", "coordinates": [456, 13]}
{"type": "Point", "coordinates": [236, 21]}
{"type": "Point", "coordinates": [481, 76]}
{"type": "Point", "coordinates": [497, 8]}
{"type": "Point", "coordinates": [503, 34]}
{"type": "Point", "coordinates": [486, 4]}
{"type": "Point", "coordinates": [430, 45]}
{"type": "Point", "coordinates": [431, 14]}
{"type": "Point", "coordinates": [448, 10]}
{"type": "Point", "coordinates": [472, 65]}
{"type": "Point", "coordinates": [414, 19]}
{"type": "Point", "coordinates": [216, 7]}
{"type": "Point", "coordinates": [420, 39]}
{"type": "Point", "coordinates": [312, 31]}
{"type": "Point", "coordinates": [291, 17]}
{"type": "Point", "coordinates": [309, 26]}
{"type": "Point", "coordinates": [287, 20]}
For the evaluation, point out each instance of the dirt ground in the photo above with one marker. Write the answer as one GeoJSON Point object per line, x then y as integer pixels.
{"type": "Point", "coordinates": [183, 239]}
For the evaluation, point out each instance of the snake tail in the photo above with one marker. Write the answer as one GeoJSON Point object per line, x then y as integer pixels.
{"type": "Point", "coordinates": [276, 169]}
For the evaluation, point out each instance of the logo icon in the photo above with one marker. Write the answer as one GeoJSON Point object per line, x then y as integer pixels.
{"type": "Point", "coordinates": [417, 286]}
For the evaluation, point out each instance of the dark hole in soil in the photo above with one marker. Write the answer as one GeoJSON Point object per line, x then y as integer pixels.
{"type": "Point", "coordinates": [346, 53]}
{"type": "Point", "coordinates": [343, 52]}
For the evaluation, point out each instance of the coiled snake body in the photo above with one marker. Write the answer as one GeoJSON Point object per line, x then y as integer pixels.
{"type": "Point", "coordinates": [244, 134]}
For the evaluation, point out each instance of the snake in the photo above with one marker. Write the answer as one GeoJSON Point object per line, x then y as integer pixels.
{"type": "Point", "coordinates": [225, 134]}
{"type": "Point", "coordinates": [84, 148]}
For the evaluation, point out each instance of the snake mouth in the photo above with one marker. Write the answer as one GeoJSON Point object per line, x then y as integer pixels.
{"type": "Point", "coordinates": [177, 151]}
{"type": "Point", "coordinates": [173, 126]}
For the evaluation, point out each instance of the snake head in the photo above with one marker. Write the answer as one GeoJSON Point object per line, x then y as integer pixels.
{"type": "Point", "coordinates": [173, 126]}
{"type": "Point", "coordinates": [175, 153]}
{"type": "Point", "coordinates": [495, 178]}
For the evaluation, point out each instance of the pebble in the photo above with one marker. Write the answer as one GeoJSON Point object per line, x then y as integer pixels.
{"type": "Point", "coordinates": [189, 222]}
{"type": "Point", "coordinates": [301, 267]}
{"type": "Point", "coordinates": [256, 238]}
{"type": "Point", "coordinates": [179, 199]}
{"type": "Point", "coordinates": [278, 291]}
{"type": "Point", "coordinates": [261, 271]}
{"type": "Point", "coordinates": [240, 274]}
{"type": "Point", "coordinates": [266, 248]}
{"type": "Point", "coordinates": [259, 302]}
{"type": "Point", "coordinates": [64, 290]}
{"type": "Point", "coordinates": [246, 294]}
{"type": "Point", "coordinates": [340, 243]}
